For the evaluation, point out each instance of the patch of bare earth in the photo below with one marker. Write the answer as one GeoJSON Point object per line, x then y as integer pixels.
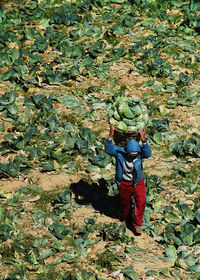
{"type": "Point", "coordinates": [51, 181]}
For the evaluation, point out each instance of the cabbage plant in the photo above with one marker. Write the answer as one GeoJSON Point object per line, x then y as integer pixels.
{"type": "Point", "coordinates": [128, 114]}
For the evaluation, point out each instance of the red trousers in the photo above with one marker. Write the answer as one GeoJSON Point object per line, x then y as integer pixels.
{"type": "Point", "coordinates": [126, 192]}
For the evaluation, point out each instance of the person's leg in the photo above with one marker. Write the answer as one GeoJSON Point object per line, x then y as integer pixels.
{"type": "Point", "coordinates": [139, 203]}
{"type": "Point", "coordinates": [125, 194]}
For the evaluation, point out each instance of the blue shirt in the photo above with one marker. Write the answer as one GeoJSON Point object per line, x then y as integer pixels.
{"type": "Point", "coordinates": [144, 151]}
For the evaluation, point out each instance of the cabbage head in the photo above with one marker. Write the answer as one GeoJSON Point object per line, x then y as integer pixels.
{"type": "Point", "coordinates": [113, 122]}
{"type": "Point", "coordinates": [128, 114]}
{"type": "Point", "coordinates": [116, 115]}
{"type": "Point", "coordinates": [121, 126]}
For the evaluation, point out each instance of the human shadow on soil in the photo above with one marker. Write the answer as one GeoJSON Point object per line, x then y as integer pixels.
{"type": "Point", "coordinates": [96, 194]}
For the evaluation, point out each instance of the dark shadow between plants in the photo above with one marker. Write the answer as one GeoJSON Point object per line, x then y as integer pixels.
{"type": "Point", "coordinates": [96, 194]}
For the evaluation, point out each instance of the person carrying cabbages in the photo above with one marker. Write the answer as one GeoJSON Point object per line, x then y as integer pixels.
{"type": "Point", "coordinates": [129, 177]}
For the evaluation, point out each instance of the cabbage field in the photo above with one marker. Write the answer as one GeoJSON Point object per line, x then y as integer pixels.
{"type": "Point", "coordinates": [64, 67]}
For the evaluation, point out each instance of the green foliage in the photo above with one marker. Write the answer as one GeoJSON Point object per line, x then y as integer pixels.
{"type": "Point", "coordinates": [191, 17]}
{"type": "Point", "coordinates": [29, 190]}
{"type": "Point", "coordinates": [15, 167]}
{"type": "Point", "coordinates": [7, 252]}
{"type": "Point", "coordinates": [39, 112]}
{"type": "Point", "coordinates": [129, 273]}
{"type": "Point", "coordinates": [186, 147]}
{"type": "Point", "coordinates": [62, 200]}
{"type": "Point", "coordinates": [159, 126]}
{"type": "Point", "coordinates": [50, 273]}
{"type": "Point", "coordinates": [65, 15]}
{"type": "Point", "coordinates": [114, 232]}
{"type": "Point", "coordinates": [7, 104]}
{"type": "Point", "coordinates": [46, 198]}
{"type": "Point", "coordinates": [185, 80]}
{"type": "Point", "coordinates": [102, 160]}
{"type": "Point", "coordinates": [20, 273]}
{"type": "Point", "coordinates": [155, 67]}
{"type": "Point", "coordinates": [108, 260]}
{"type": "Point", "coordinates": [171, 253]}
{"type": "Point", "coordinates": [59, 230]}
{"type": "Point", "coordinates": [82, 275]}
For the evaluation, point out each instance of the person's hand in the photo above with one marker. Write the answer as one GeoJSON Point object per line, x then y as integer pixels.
{"type": "Point", "coordinates": [112, 129]}
{"type": "Point", "coordinates": [142, 134]}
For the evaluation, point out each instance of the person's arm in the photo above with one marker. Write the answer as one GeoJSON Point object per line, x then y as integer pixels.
{"type": "Point", "coordinates": [110, 149]}
{"type": "Point", "coordinates": [112, 130]}
{"type": "Point", "coordinates": [146, 150]}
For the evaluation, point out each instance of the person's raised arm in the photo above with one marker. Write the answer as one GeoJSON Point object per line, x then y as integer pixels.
{"type": "Point", "coordinates": [146, 151]}
{"type": "Point", "coordinates": [110, 149]}
{"type": "Point", "coordinates": [112, 130]}
{"type": "Point", "coordinates": [142, 134]}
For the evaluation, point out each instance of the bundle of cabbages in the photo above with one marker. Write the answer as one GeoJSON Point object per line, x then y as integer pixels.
{"type": "Point", "coordinates": [128, 114]}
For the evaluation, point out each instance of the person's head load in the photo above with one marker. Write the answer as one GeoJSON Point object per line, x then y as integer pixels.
{"type": "Point", "coordinates": [128, 114]}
